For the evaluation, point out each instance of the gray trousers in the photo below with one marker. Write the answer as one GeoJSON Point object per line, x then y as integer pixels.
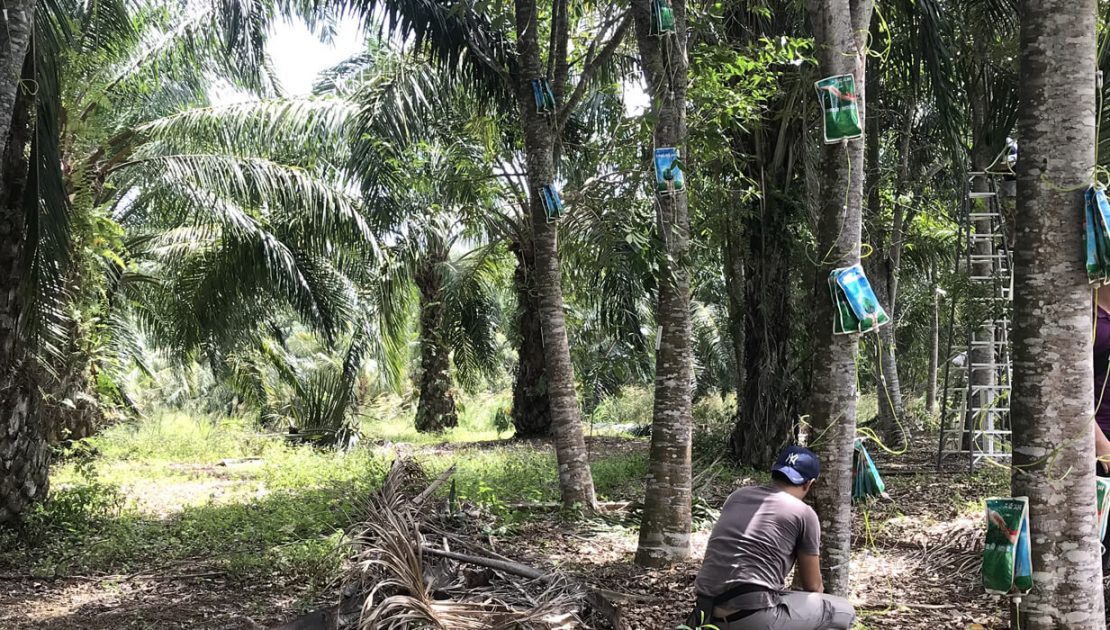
{"type": "Point", "coordinates": [799, 611]}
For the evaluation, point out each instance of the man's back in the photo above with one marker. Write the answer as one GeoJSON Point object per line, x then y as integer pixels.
{"type": "Point", "coordinates": [761, 531]}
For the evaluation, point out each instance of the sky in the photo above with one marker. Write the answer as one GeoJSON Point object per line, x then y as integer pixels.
{"type": "Point", "coordinates": [298, 57]}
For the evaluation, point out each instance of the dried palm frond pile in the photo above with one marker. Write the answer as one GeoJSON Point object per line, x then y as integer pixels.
{"type": "Point", "coordinates": [418, 565]}
{"type": "Point", "coordinates": [953, 548]}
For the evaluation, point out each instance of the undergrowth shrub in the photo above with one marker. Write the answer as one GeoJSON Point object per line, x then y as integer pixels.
{"type": "Point", "coordinates": [713, 420]}
{"type": "Point", "coordinates": [177, 436]}
{"type": "Point", "coordinates": [629, 406]}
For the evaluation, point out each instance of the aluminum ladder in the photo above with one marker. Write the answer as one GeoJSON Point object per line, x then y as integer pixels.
{"type": "Point", "coordinates": [975, 406]}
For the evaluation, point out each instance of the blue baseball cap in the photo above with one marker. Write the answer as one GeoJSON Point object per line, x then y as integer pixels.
{"type": "Point", "coordinates": [798, 464]}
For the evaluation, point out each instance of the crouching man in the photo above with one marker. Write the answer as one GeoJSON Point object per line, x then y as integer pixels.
{"type": "Point", "coordinates": [762, 533]}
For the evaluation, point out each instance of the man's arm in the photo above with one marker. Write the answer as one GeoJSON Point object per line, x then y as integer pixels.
{"type": "Point", "coordinates": [809, 572]}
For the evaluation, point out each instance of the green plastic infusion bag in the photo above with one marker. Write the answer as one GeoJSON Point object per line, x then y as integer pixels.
{"type": "Point", "coordinates": [1103, 498]}
{"type": "Point", "coordinates": [841, 111]}
{"type": "Point", "coordinates": [856, 309]}
{"type": "Point", "coordinates": [866, 481]}
{"type": "Point", "coordinates": [1007, 564]}
{"type": "Point", "coordinates": [668, 171]}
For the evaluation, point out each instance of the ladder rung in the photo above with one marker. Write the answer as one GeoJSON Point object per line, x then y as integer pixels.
{"type": "Point", "coordinates": [980, 194]}
{"type": "Point", "coordinates": [984, 215]}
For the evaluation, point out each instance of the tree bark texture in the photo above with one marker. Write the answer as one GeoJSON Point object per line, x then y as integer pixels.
{"type": "Point", "coordinates": [24, 454]}
{"type": "Point", "coordinates": [531, 406]}
{"type": "Point", "coordinates": [575, 482]}
{"type": "Point", "coordinates": [769, 402]}
{"type": "Point", "coordinates": [72, 408]}
{"type": "Point", "coordinates": [665, 527]}
{"type": "Point", "coordinates": [436, 409]}
{"type": "Point", "coordinates": [1052, 398]}
{"type": "Point", "coordinates": [840, 33]}
{"type": "Point", "coordinates": [16, 24]}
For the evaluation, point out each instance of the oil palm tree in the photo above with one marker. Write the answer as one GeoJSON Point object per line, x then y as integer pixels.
{"type": "Point", "coordinates": [93, 63]}
{"type": "Point", "coordinates": [463, 38]}
{"type": "Point", "coordinates": [454, 275]}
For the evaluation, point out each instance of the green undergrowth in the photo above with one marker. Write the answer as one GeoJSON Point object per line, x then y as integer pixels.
{"type": "Point", "coordinates": [152, 497]}
{"type": "Point", "coordinates": [390, 419]}
{"type": "Point", "coordinates": [523, 473]}
{"type": "Point", "coordinates": [175, 493]}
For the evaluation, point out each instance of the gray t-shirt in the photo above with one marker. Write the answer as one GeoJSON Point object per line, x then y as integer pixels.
{"type": "Point", "coordinates": [756, 541]}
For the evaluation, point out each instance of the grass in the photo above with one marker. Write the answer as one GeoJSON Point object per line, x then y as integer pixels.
{"type": "Point", "coordinates": [390, 419]}
{"type": "Point", "coordinates": [149, 497]}
{"type": "Point", "coordinates": [525, 473]}
{"type": "Point", "coordinates": [181, 493]}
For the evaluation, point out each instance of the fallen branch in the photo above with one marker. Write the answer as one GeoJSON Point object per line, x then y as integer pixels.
{"type": "Point", "coordinates": [187, 576]}
{"type": "Point", "coordinates": [600, 599]}
{"type": "Point", "coordinates": [239, 461]}
{"type": "Point", "coordinates": [432, 487]}
{"type": "Point", "coordinates": [515, 568]}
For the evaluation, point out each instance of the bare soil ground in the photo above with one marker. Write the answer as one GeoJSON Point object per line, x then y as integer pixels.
{"type": "Point", "coordinates": [915, 566]}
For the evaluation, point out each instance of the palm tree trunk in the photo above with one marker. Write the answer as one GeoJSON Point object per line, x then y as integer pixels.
{"type": "Point", "coordinates": [840, 28]}
{"type": "Point", "coordinates": [436, 410]}
{"type": "Point", "coordinates": [74, 410]}
{"type": "Point", "coordinates": [531, 405]}
{"type": "Point", "coordinates": [24, 454]}
{"type": "Point", "coordinates": [665, 528]}
{"type": "Point", "coordinates": [576, 485]}
{"type": "Point", "coordinates": [769, 402]}
{"type": "Point", "coordinates": [888, 388]}
{"type": "Point", "coordinates": [984, 145]}
{"type": "Point", "coordinates": [1052, 400]}
{"type": "Point", "coordinates": [16, 24]}
{"type": "Point", "coordinates": [981, 357]}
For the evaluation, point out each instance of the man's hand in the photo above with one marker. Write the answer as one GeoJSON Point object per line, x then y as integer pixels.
{"type": "Point", "coordinates": [809, 571]}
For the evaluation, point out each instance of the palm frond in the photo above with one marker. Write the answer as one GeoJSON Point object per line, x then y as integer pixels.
{"type": "Point", "coordinates": [454, 36]}
{"type": "Point", "coordinates": [260, 128]}
{"type": "Point", "coordinates": [285, 195]}
{"type": "Point", "coordinates": [48, 213]}
{"type": "Point", "coordinates": [472, 314]}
